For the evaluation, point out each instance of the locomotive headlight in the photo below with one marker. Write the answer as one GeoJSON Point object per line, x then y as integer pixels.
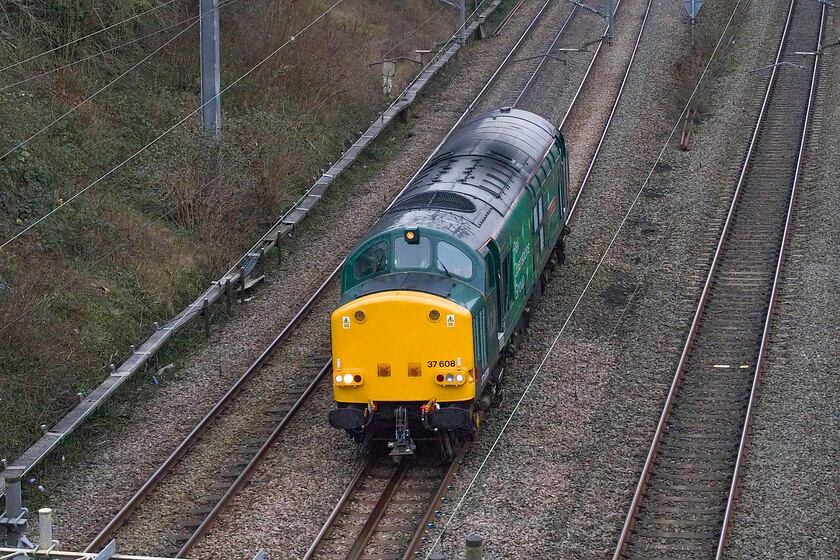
{"type": "Point", "coordinates": [338, 378]}
{"type": "Point", "coordinates": [348, 378]}
{"type": "Point", "coordinates": [459, 378]}
{"type": "Point", "coordinates": [450, 378]}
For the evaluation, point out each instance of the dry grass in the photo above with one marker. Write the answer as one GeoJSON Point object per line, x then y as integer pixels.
{"type": "Point", "coordinates": [89, 282]}
{"type": "Point", "coordinates": [709, 25]}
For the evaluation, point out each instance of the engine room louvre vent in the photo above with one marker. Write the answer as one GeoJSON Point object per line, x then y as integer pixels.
{"type": "Point", "coordinates": [441, 200]}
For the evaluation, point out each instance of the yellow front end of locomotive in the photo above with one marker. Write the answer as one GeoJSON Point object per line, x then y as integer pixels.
{"type": "Point", "coordinates": [402, 346]}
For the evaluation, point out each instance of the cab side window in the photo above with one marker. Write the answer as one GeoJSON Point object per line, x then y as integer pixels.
{"type": "Point", "coordinates": [452, 261]}
{"type": "Point", "coordinates": [373, 261]}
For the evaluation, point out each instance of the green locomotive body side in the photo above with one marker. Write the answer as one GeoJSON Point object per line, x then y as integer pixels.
{"type": "Point", "coordinates": [520, 250]}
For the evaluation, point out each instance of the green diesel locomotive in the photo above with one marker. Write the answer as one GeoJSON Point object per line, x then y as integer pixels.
{"type": "Point", "coordinates": [434, 294]}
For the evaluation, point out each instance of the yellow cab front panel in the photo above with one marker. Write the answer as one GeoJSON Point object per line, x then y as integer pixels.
{"type": "Point", "coordinates": [402, 346]}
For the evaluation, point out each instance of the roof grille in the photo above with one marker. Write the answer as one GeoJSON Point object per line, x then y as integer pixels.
{"type": "Point", "coordinates": [441, 200]}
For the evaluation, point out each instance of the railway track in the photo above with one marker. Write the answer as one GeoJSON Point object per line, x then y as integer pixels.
{"type": "Point", "coordinates": [385, 511]}
{"type": "Point", "coordinates": [229, 480]}
{"type": "Point", "coordinates": [250, 455]}
{"type": "Point", "coordinates": [685, 496]}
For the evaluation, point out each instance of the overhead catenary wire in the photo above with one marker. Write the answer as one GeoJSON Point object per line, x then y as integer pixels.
{"type": "Point", "coordinates": [449, 41]}
{"type": "Point", "coordinates": [87, 99]}
{"type": "Point", "coordinates": [217, 180]}
{"type": "Point", "coordinates": [109, 84]}
{"type": "Point", "coordinates": [111, 49]}
{"type": "Point", "coordinates": [88, 36]}
{"type": "Point", "coordinates": [98, 54]}
{"type": "Point", "coordinates": [548, 353]}
{"type": "Point", "coordinates": [171, 128]}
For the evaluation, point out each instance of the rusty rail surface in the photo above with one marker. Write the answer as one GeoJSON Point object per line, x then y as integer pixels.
{"type": "Point", "coordinates": [684, 498]}
{"type": "Point", "coordinates": [237, 276]}
{"type": "Point", "coordinates": [175, 457]}
{"type": "Point", "coordinates": [413, 489]}
{"type": "Point", "coordinates": [154, 481]}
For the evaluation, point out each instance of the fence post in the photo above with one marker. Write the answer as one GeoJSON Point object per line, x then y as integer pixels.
{"type": "Point", "coordinates": [206, 315]}
{"type": "Point", "coordinates": [45, 528]}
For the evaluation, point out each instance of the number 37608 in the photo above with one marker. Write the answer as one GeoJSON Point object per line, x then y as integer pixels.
{"type": "Point", "coordinates": [441, 363]}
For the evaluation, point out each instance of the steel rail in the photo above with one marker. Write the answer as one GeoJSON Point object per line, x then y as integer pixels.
{"type": "Point", "coordinates": [612, 111]}
{"type": "Point", "coordinates": [175, 457]}
{"type": "Point", "coordinates": [657, 437]}
{"type": "Point", "coordinates": [378, 512]}
{"type": "Point", "coordinates": [423, 528]}
{"type": "Point", "coordinates": [478, 97]}
{"type": "Point", "coordinates": [507, 18]}
{"type": "Point", "coordinates": [371, 525]}
{"type": "Point", "coordinates": [342, 501]}
{"type": "Point", "coordinates": [246, 473]}
{"type": "Point", "coordinates": [765, 336]}
{"type": "Point", "coordinates": [545, 56]}
{"type": "Point", "coordinates": [586, 74]}
{"type": "Point", "coordinates": [148, 487]}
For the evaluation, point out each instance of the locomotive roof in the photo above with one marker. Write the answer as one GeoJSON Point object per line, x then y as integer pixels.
{"type": "Point", "coordinates": [469, 186]}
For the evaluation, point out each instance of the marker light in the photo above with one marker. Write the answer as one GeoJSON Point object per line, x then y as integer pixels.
{"type": "Point", "coordinates": [338, 378]}
{"type": "Point", "coordinates": [459, 378]}
{"type": "Point", "coordinates": [348, 378]}
{"type": "Point", "coordinates": [450, 378]}
{"type": "Point", "coordinates": [411, 236]}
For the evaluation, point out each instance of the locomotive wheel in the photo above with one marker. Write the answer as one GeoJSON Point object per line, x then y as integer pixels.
{"type": "Point", "coordinates": [498, 398]}
{"type": "Point", "coordinates": [448, 445]}
{"type": "Point", "coordinates": [365, 442]}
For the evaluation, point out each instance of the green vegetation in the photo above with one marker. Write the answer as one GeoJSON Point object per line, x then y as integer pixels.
{"type": "Point", "coordinates": [86, 283]}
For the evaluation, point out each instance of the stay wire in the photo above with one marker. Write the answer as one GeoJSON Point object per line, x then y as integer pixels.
{"type": "Point", "coordinates": [97, 92]}
{"type": "Point", "coordinates": [213, 182]}
{"type": "Point", "coordinates": [347, 84]}
{"type": "Point", "coordinates": [111, 49]}
{"type": "Point", "coordinates": [168, 130]}
{"type": "Point", "coordinates": [585, 289]}
{"type": "Point", "coordinates": [98, 54]}
{"type": "Point", "coordinates": [88, 36]}
{"type": "Point", "coordinates": [73, 109]}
